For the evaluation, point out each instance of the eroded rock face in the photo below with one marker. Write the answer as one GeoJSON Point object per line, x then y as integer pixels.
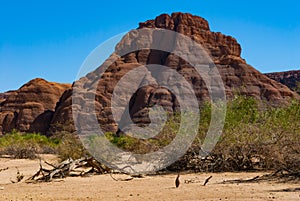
{"type": "Point", "coordinates": [30, 108]}
{"type": "Point", "coordinates": [41, 106]}
{"type": "Point", "coordinates": [218, 45]}
{"type": "Point", "coordinates": [62, 118]}
{"type": "Point", "coordinates": [225, 51]}
{"type": "Point", "coordinates": [289, 78]}
{"type": "Point", "coordinates": [3, 96]}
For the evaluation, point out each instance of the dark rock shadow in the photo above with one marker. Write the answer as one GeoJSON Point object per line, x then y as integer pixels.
{"type": "Point", "coordinates": [42, 122]}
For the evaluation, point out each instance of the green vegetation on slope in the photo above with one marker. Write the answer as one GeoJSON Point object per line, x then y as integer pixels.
{"type": "Point", "coordinates": [254, 137]}
{"type": "Point", "coordinates": [26, 145]}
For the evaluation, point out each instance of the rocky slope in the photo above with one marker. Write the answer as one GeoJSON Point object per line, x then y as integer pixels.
{"type": "Point", "coordinates": [225, 51]}
{"type": "Point", "coordinates": [41, 106]}
{"type": "Point", "coordinates": [31, 107]}
{"type": "Point", "coordinates": [3, 96]}
{"type": "Point", "coordinates": [288, 78]}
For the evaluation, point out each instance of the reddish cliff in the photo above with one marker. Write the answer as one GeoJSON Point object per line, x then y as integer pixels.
{"type": "Point", "coordinates": [289, 78]}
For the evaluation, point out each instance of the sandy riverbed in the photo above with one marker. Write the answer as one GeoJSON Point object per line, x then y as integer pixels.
{"type": "Point", "coordinates": [159, 187]}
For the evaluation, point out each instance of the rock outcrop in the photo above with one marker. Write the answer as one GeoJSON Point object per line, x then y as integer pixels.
{"type": "Point", "coordinates": [225, 51]}
{"type": "Point", "coordinates": [45, 107]}
{"type": "Point", "coordinates": [289, 78]}
{"type": "Point", "coordinates": [30, 108]}
{"type": "Point", "coordinates": [3, 96]}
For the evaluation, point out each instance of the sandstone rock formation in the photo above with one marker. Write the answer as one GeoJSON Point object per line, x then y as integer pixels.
{"type": "Point", "coordinates": [30, 108]}
{"type": "Point", "coordinates": [225, 51]}
{"type": "Point", "coordinates": [62, 118]}
{"type": "Point", "coordinates": [45, 107]}
{"type": "Point", "coordinates": [289, 78]}
{"type": "Point", "coordinates": [3, 96]}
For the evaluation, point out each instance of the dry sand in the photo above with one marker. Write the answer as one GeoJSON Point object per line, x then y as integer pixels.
{"type": "Point", "coordinates": [160, 187]}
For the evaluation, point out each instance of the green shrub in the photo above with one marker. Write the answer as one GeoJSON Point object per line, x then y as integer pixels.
{"type": "Point", "coordinates": [142, 146]}
{"type": "Point", "coordinates": [70, 146]}
{"type": "Point", "coordinates": [259, 137]}
{"type": "Point", "coordinates": [254, 137]}
{"type": "Point", "coordinates": [26, 145]}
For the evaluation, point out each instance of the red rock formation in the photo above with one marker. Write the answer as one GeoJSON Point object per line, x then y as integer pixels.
{"type": "Point", "coordinates": [289, 78]}
{"type": "Point", "coordinates": [218, 45]}
{"type": "Point", "coordinates": [62, 118]}
{"type": "Point", "coordinates": [3, 96]}
{"type": "Point", "coordinates": [39, 104]}
{"type": "Point", "coordinates": [30, 108]}
{"type": "Point", "coordinates": [237, 75]}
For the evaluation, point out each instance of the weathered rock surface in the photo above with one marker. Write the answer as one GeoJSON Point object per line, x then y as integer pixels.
{"type": "Point", "coordinates": [47, 107]}
{"type": "Point", "coordinates": [30, 108]}
{"type": "Point", "coordinates": [289, 78]}
{"type": "Point", "coordinates": [62, 118]}
{"type": "Point", "coordinates": [225, 51]}
{"type": "Point", "coordinates": [3, 96]}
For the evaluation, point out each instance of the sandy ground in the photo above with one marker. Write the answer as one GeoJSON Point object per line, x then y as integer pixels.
{"type": "Point", "coordinates": [160, 187]}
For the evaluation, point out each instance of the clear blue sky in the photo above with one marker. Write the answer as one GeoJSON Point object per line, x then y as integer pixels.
{"type": "Point", "coordinates": [51, 39]}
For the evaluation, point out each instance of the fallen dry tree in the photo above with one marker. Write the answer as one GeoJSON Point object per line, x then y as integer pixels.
{"type": "Point", "coordinates": [79, 167]}
{"type": "Point", "coordinates": [72, 168]}
{"type": "Point", "coordinates": [282, 175]}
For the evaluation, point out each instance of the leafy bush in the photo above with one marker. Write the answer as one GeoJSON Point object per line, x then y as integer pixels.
{"type": "Point", "coordinates": [142, 146]}
{"type": "Point", "coordinates": [254, 137]}
{"type": "Point", "coordinates": [70, 146]}
{"type": "Point", "coordinates": [26, 145]}
{"type": "Point", "coordinates": [268, 136]}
